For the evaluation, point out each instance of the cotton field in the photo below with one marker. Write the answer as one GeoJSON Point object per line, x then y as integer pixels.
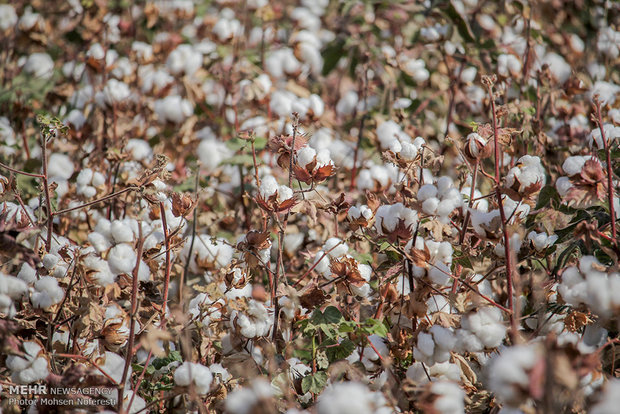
{"type": "Point", "coordinates": [309, 206]}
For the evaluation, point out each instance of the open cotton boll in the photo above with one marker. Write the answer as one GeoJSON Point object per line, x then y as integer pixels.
{"type": "Point", "coordinates": [184, 59]}
{"type": "Point", "coordinates": [46, 293]}
{"type": "Point", "coordinates": [10, 288]}
{"type": "Point", "coordinates": [541, 240]}
{"type": "Point", "coordinates": [190, 372]}
{"type": "Point", "coordinates": [27, 273]}
{"type": "Point", "coordinates": [606, 92]}
{"type": "Point", "coordinates": [39, 65]}
{"type": "Point", "coordinates": [121, 231]}
{"type": "Point", "coordinates": [245, 400]}
{"type": "Point", "coordinates": [30, 367]}
{"type": "Point", "coordinates": [306, 155]}
{"type": "Point", "coordinates": [389, 131]}
{"type": "Point", "coordinates": [487, 327]}
{"type": "Point", "coordinates": [254, 322]}
{"type": "Point", "coordinates": [8, 17]}
{"type": "Point", "coordinates": [347, 103]}
{"type": "Point", "coordinates": [610, 399]}
{"type": "Point", "coordinates": [608, 41]}
{"type": "Point", "coordinates": [173, 109]}
{"type": "Point", "coordinates": [351, 398]}
{"type": "Point", "coordinates": [449, 398]}
{"type": "Point", "coordinates": [529, 171]}
{"type": "Point", "coordinates": [60, 166]}
{"type": "Point", "coordinates": [212, 152]}
{"type": "Point", "coordinates": [210, 253]}
{"type": "Point", "coordinates": [508, 372]}
{"type": "Point", "coordinates": [508, 65]}
{"type": "Point", "coordinates": [388, 217]}
{"type": "Point", "coordinates": [612, 133]}
{"type": "Point", "coordinates": [419, 373]}
{"type": "Point", "coordinates": [114, 92]}
{"type": "Point", "coordinates": [102, 275]}
{"type": "Point", "coordinates": [122, 259]}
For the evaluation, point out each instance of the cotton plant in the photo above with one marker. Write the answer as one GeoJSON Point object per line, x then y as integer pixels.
{"type": "Point", "coordinates": [190, 374]}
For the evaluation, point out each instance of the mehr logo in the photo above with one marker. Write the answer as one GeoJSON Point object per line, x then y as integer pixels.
{"type": "Point", "coordinates": [28, 389]}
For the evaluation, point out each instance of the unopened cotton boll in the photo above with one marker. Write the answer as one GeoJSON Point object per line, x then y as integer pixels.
{"type": "Point", "coordinates": [122, 259]}
{"type": "Point", "coordinates": [190, 372]}
{"type": "Point", "coordinates": [46, 293]}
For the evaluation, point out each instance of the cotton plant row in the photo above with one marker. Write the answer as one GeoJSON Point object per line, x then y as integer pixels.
{"type": "Point", "coordinates": [313, 206]}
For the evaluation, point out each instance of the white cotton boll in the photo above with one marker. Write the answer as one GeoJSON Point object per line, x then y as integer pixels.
{"type": "Point", "coordinates": [281, 103]}
{"type": "Point", "coordinates": [439, 274]}
{"type": "Point", "coordinates": [337, 247]}
{"type": "Point", "coordinates": [408, 151]}
{"type": "Point", "coordinates": [243, 400]}
{"type": "Point", "coordinates": [212, 152]}
{"type": "Point", "coordinates": [541, 240]}
{"type": "Point", "coordinates": [438, 303]}
{"type": "Point", "coordinates": [292, 242]}
{"type": "Point", "coordinates": [122, 259]}
{"type": "Point", "coordinates": [11, 288]}
{"type": "Point", "coordinates": [139, 149]}
{"type": "Point", "coordinates": [305, 156]}
{"type": "Point", "coordinates": [606, 92]}
{"type": "Point", "coordinates": [612, 133]}
{"type": "Point", "coordinates": [468, 74]}
{"type": "Point", "coordinates": [8, 17]}
{"type": "Point", "coordinates": [609, 400]}
{"type": "Point", "coordinates": [27, 273]}
{"type": "Point", "coordinates": [508, 373]}
{"type": "Point", "coordinates": [284, 193]}
{"type": "Point", "coordinates": [30, 367]}
{"type": "Point", "coordinates": [184, 59]}
{"type": "Point", "coordinates": [430, 205]}
{"type": "Point", "coordinates": [100, 242]}
{"type": "Point", "coordinates": [425, 344]}
{"type": "Point", "coordinates": [102, 274]}
{"type": "Point", "coordinates": [350, 398]}
{"type": "Point", "coordinates": [347, 103]}
{"type": "Point", "coordinates": [60, 166]}
{"type": "Point", "coordinates": [427, 191]}
{"type": "Point", "coordinates": [47, 293]}
{"type": "Point", "coordinates": [84, 177]}
{"type": "Point", "coordinates": [173, 109]}
{"type": "Point", "coordinates": [114, 92]}
{"type": "Point", "coordinates": [608, 42]}
{"type": "Point", "coordinates": [121, 232]}
{"type": "Point", "coordinates": [508, 65]}
{"type": "Point", "coordinates": [220, 374]}
{"type": "Point", "coordinates": [198, 374]}
{"type": "Point", "coordinates": [113, 365]}
{"type": "Point", "coordinates": [389, 131]}
{"type": "Point", "coordinates": [39, 65]}
{"type": "Point", "coordinates": [416, 68]}
{"type": "Point", "coordinates": [50, 260]}
{"type": "Point", "coordinates": [557, 66]}
{"type": "Point", "coordinates": [446, 207]}
{"type": "Point", "coordinates": [450, 398]}
{"type": "Point", "coordinates": [563, 185]}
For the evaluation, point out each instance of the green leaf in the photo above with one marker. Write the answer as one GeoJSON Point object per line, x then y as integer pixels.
{"type": "Point", "coordinates": [314, 383]}
{"type": "Point", "coordinates": [375, 327]}
{"type": "Point", "coordinates": [159, 363]}
{"type": "Point", "coordinates": [547, 194]}
{"type": "Point", "coordinates": [339, 351]}
{"type": "Point", "coordinates": [461, 23]}
{"type": "Point", "coordinates": [332, 54]}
